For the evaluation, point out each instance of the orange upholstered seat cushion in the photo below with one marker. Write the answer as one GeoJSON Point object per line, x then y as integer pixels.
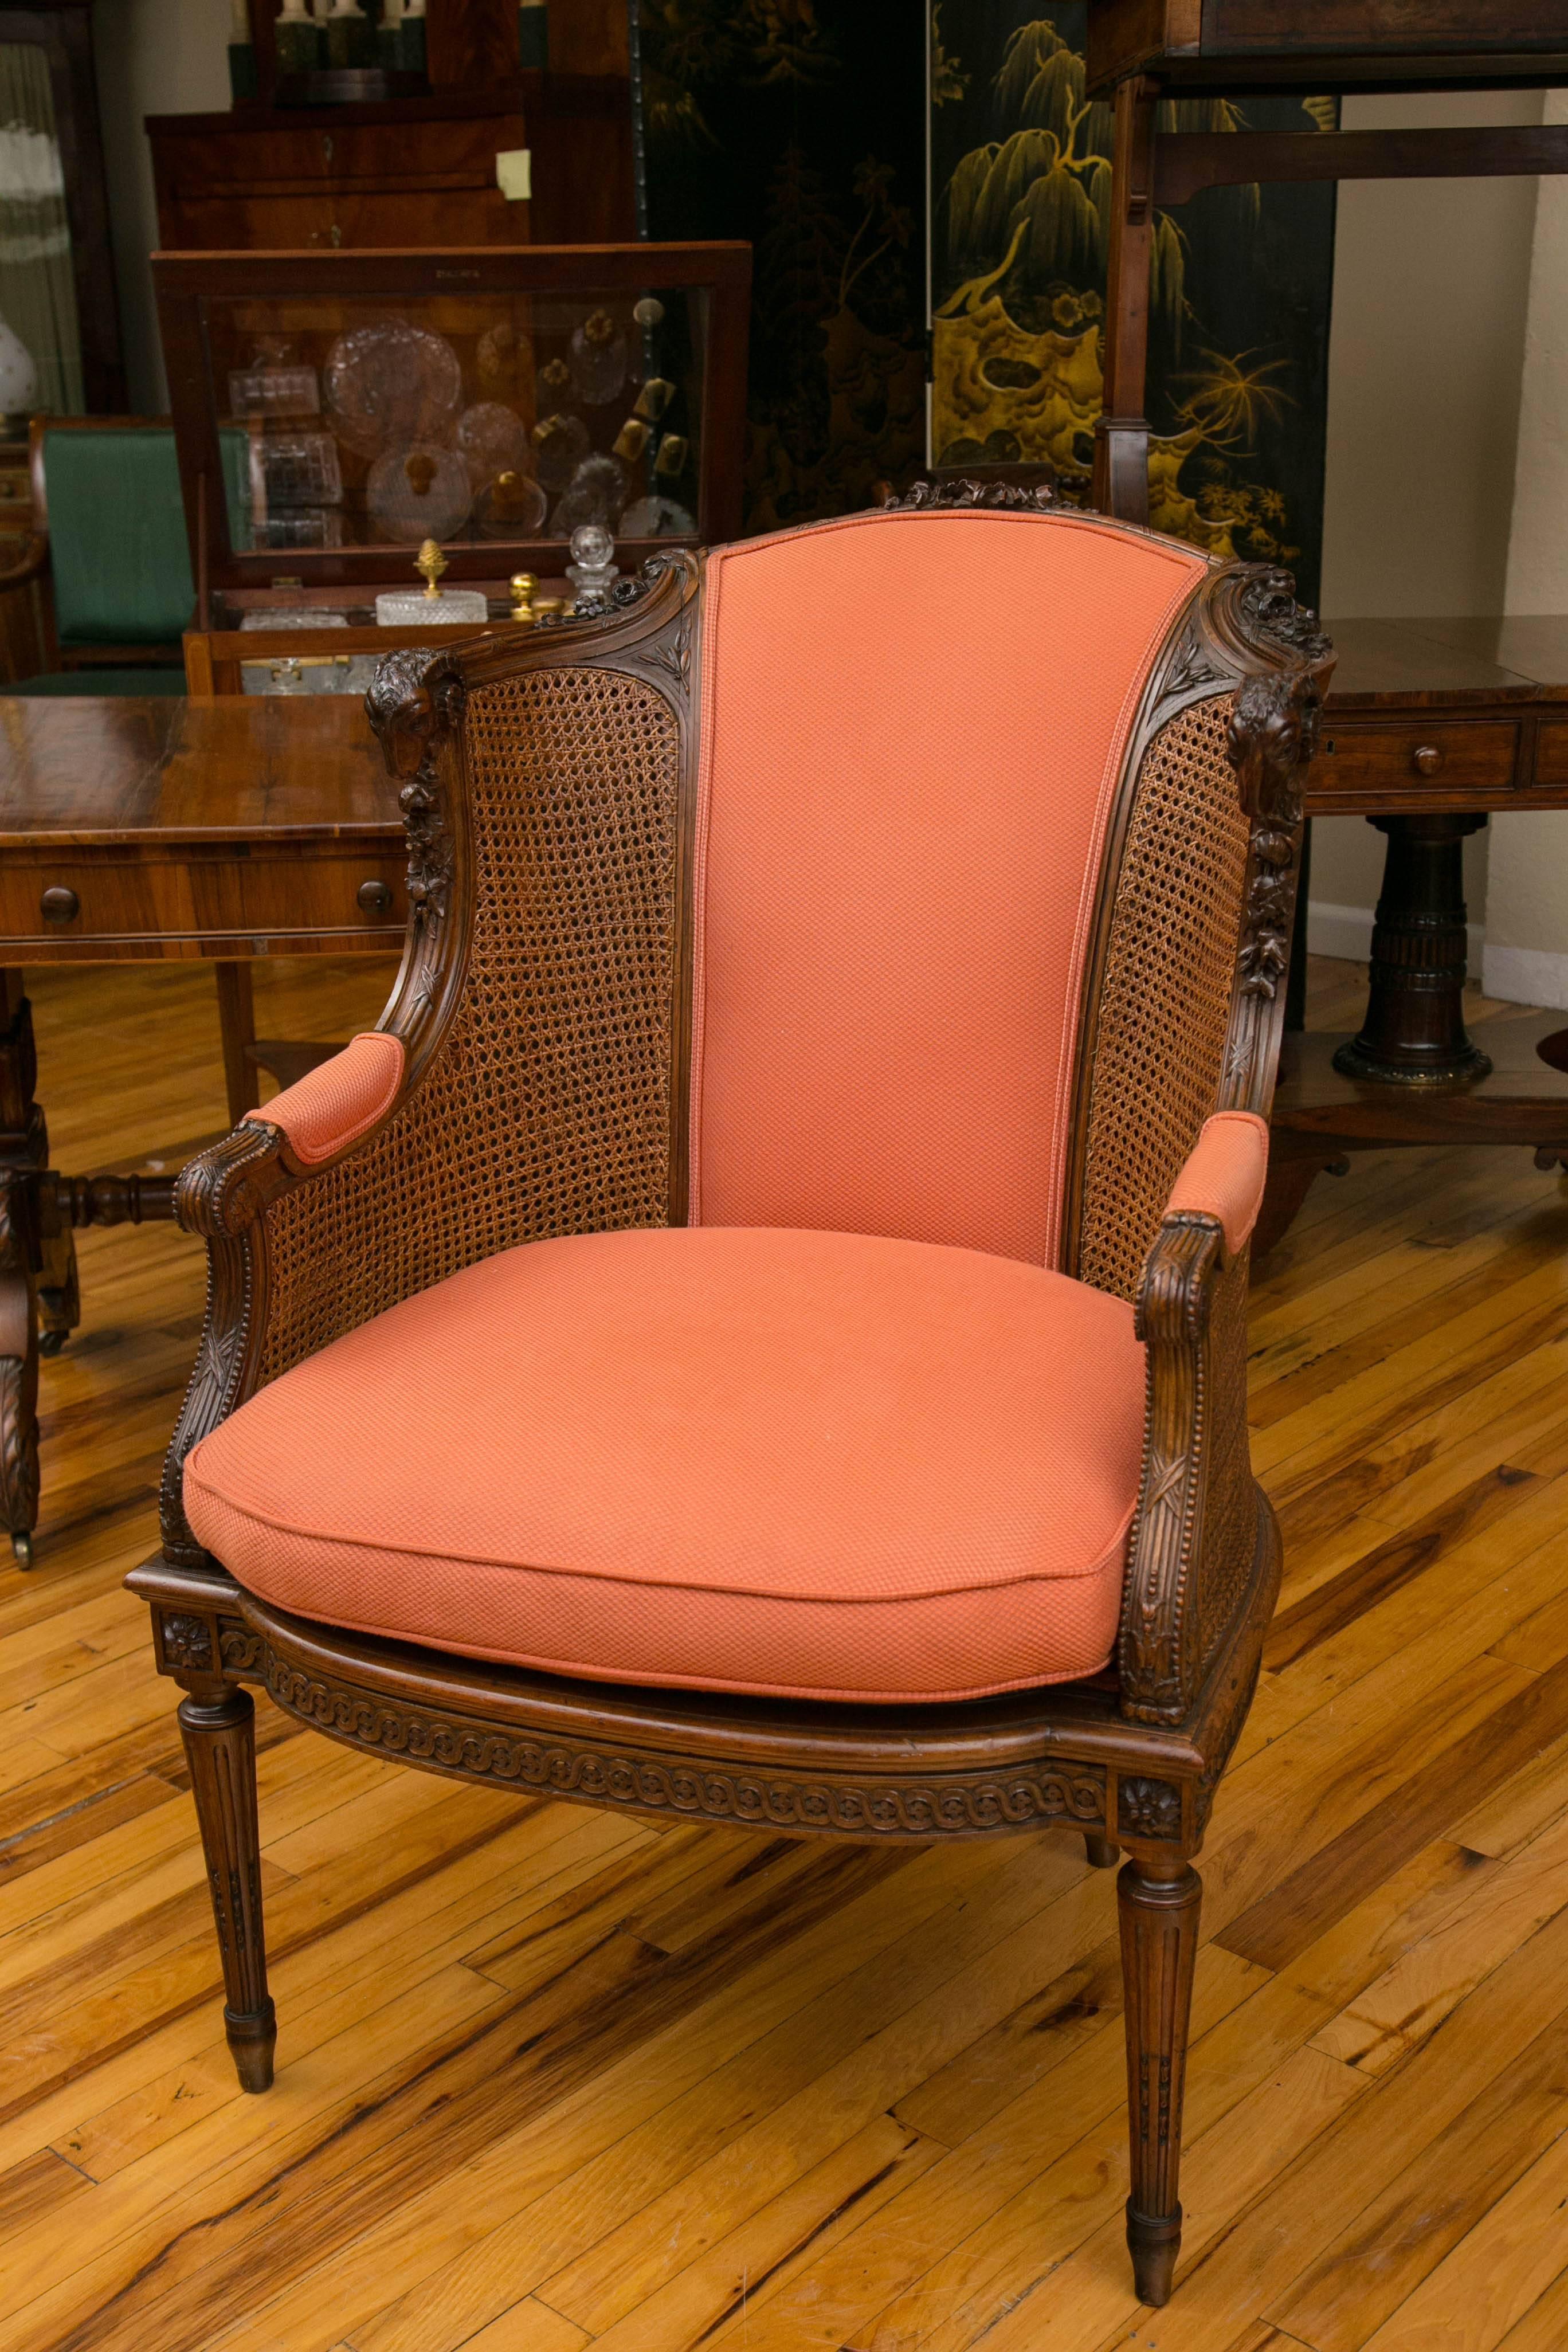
{"type": "Point", "coordinates": [772, 1460]}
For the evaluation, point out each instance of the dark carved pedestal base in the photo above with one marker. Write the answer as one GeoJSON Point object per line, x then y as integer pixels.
{"type": "Point", "coordinates": [1414, 1033]}
{"type": "Point", "coordinates": [1413, 1075]}
{"type": "Point", "coordinates": [1320, 1115]}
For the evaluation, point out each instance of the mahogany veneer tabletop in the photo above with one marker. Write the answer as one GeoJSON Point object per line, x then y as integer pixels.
{"type": "Point", "coordinates": [95, 771]}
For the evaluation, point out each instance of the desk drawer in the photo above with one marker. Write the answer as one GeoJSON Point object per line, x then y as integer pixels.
{"type": "Point", "coordinates": [167, 903]}
{"type": "Point", "coordinates": [1432, 763]}
{"type": "Point", "coordinates": [1552, 754]}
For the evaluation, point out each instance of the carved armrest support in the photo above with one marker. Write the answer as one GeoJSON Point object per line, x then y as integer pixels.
{"type": "Point", "coordinates": [224, 1193]}
{"type": "Point", "coordinates": [1188, 1522]}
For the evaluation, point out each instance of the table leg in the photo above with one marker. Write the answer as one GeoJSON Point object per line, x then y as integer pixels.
{"type": "Point", "coordinates": [1414, 1032]}
{"type": "Point", "coordinates": [237, 1026]}
{"type": "Point", "coordinates": [24, 1155]}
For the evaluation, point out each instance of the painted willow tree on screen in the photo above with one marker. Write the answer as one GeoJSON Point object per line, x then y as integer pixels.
{"type": "Point", "coordinates": [1240, 288]}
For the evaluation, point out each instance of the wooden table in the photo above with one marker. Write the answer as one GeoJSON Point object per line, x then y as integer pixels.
{"type": "Point", "coordinates": [1429, 726]}
{"type": "Point", "coordinates": [138, 830]}
{"type": "Point", "coordinates": [1141, 52]}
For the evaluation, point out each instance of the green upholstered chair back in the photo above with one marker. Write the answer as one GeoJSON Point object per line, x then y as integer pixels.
{"type": "Point", "coordinates": [118, 552]}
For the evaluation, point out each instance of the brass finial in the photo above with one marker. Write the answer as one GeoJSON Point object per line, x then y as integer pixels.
{"type": "Point", "coordinates": [523, 585]}
{"type": "Point", "coordinates": [430, 563]}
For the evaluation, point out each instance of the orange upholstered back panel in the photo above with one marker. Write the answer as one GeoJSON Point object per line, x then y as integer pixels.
{"type": "Point", "coordinates": [912, 728]}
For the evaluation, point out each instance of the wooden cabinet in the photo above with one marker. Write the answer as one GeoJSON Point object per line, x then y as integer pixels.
{"type": "Point", "coordinates": [1376, 44]}
{"type": "Point", "coordinates": [401, 173]}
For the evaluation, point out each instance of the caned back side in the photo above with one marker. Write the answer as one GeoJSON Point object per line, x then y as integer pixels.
{"type": "Point", "coordinates": [1159, 1006]}
{"type": "Point", "coordinates": [913, 730]}
{"type": "Point", "coordinates": [547, 1110]}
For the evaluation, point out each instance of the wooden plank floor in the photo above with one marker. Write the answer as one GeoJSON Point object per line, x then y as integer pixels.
{"type": "Point", "coordinates": [549, 2078]}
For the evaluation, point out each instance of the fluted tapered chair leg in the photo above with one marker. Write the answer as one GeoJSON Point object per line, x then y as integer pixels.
{"type": "Point", "coordinates": [219, 1732]}
{"type": "Point", "coordinates": [1158, 1902]}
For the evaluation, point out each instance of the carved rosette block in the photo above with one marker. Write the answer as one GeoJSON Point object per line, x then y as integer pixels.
{"type": "Point", "coordinates": [219, 1734]}
{"type": "Point", "coordinates": [184, 1642]}
{"type": "Point", "coordinates": [1159, 1905]}
{"type": "Point", "coordinates": [1148, 1810]}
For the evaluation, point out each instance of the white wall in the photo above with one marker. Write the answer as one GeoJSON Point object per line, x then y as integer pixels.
{"type": "Point", "coordinates": [154, 57]}
{"type": "Point", "coordinates": [1431, 288]}
{"type": "Point", "coordinates": [1527, 898]}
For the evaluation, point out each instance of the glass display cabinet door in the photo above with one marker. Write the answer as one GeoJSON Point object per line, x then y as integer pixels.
{"type": "Point", "coordinates": [40, 341]}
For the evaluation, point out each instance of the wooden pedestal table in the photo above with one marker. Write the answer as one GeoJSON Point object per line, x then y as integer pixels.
{"type": "Point", "coordinates": [134, 831]}
{"type": "Point", "coordinates": [1429, 725]}
{"type": "Point", "coordinates": [1400, 1081]}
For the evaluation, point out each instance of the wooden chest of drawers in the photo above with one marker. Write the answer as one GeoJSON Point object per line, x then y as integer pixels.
{"type": "Point", "coordinates": [405, 173]}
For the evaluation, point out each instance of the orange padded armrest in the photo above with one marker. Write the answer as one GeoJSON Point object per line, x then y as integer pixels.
{"type": "Point", "coordinates": [1225, 1174]}
{"type": "Point", "coordinates": [332, 1105]}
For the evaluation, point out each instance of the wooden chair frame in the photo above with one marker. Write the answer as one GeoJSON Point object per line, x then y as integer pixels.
{"type": "Point", "coordinates": [1128, 1760]}
{"type": "Point", "coordinates": [78, 658]}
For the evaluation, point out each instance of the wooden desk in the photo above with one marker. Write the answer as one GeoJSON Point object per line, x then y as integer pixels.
{"type": "Point", "coordinates": [143, 829]}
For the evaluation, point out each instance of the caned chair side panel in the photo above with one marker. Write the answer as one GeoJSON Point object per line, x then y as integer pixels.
{"type": "Point", "coordinates": [1156, 1036]}
{"type": "Point", "coordinates": [546, 1109]}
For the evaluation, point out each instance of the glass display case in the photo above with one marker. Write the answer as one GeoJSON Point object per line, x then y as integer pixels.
{"type": "Point", "coordinates": [455, 412]}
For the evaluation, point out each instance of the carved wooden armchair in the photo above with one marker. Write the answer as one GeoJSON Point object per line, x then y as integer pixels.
{"type": "Point", "coordinates": [758, 1332]}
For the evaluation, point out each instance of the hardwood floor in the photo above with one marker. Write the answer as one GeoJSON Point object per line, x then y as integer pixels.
{"type": "Point", "coordinates": [657, 2090]}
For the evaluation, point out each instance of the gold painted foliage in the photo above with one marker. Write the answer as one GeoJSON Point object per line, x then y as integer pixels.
{"type": "Point", "coordinates": [1018, 346]}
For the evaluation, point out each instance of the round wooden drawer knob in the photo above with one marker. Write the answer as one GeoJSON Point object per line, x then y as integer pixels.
{"type": "Point", "coordinates": [60, 905]}
{"type": "Point", "coordinates": [375, 898]}
{"type": "Point", "coordinates": [1427, 758]}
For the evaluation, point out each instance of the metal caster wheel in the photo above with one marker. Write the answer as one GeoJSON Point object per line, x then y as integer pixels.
{"type": "Point", "coordinates": [22, 1546]}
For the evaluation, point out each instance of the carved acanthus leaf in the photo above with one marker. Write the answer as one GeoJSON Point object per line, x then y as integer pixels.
{"type": "Point", "coordinates": [1272, 617]}
{"type": "Point", "coordinates": [1008, 498]}
{"type": "Point", "coordinates": [414, 701]}
{"type": "Point", "coordinates": [1192, 667]}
